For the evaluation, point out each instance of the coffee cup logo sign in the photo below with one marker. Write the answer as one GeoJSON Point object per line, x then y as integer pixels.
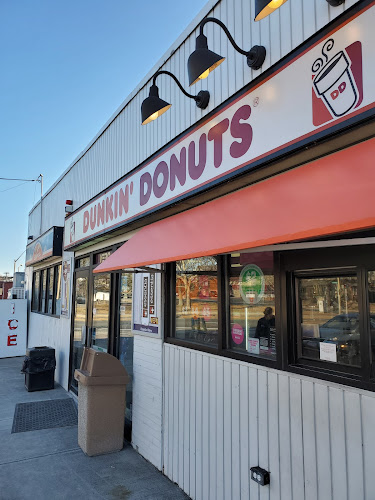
{"type": "Point", "coordinates": [337, 82]}
{"type": "Point", "coordinates": [38, 252]}
{"type": "Point", "coordinates": [251, 284]}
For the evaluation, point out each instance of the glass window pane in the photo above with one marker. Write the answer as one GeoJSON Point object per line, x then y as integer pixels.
{"type": "Point", "coordinates": [371, 300]}
{"type": "Point", "coordinates": [100, 311]}
{"type": "Point", "coordinates": [50, 277]}
{"type": "Point", "coordinates": [330, 319]}
{"type": "Point", "coordinates": [83, 262]}
{"type": "Point", "coordinates": [100, 257]}
{"type": "Point", "coordinates": [80, 323]}
{"type": "Point", "coordinates": [43, 279]}
{"type": "Point", "coordinates": [126, 336]}
{"type": "Point", "coordinates": [36, 291]}
{"type": "Point", "coordinates": [252, 304]}
{"type": "Point", "coordinates": [58, 290]}
{"type": "Point", "coordinates": [197, 301]}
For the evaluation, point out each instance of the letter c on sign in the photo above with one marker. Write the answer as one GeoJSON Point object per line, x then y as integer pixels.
{"type": "Point", "coordinates": [13, 324]}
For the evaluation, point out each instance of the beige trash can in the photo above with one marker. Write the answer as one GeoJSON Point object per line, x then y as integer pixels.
{"type": "Point", "coordinates": [102, 383]}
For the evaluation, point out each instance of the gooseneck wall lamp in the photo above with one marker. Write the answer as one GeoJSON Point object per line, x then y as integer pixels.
{"type": "Point", "coordinates": [153, 106]}
{"type": "Point", "coordinates": [264, 8]}
{"type": "Point", "coordinates": [202, 61]}
{"type": "Point", "coordinates": [335, 3]}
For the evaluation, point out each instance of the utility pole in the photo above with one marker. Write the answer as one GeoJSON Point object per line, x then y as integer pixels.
{"type": "Point", "coordinates": [14, 265]}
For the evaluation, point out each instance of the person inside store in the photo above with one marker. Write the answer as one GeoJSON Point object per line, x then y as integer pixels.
{"type": "Point", "coordinates": [265, 330]}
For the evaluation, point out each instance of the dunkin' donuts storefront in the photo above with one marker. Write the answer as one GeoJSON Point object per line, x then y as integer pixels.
{"type": "Point", "coordinates": [237, 254]}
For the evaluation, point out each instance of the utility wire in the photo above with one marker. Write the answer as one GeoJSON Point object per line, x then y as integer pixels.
{"type": "Point", "coordinates": [26, 180]}
{"type": "Point", "coordinates": [13, 187]}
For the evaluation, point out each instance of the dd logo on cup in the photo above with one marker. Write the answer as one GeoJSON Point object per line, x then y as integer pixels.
{"type": "Point", "coordinates": [337, 82]}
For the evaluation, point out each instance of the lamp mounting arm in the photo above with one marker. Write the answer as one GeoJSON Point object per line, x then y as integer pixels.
{"type": "Point", "coordinates": [255, 56]}
{"type": "Point", "coordinates": [226, 31]}
{"type": "Point", "coordinates": [201, 99]}
{"type": "Point", "coordinates": [163, 72]}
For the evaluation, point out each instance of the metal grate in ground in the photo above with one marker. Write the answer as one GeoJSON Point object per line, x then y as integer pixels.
{"type": "Point", "coordinates": [44, 415]}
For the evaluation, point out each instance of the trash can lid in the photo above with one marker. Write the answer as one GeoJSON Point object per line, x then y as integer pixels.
{"type": "Point", "coordinates": [40, 351]}
{"type": "Point", "coordinates": [101, 364]}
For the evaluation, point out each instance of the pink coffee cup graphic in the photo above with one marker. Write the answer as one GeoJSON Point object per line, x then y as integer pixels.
{"type": "Point", "coordinates": [334, 82]}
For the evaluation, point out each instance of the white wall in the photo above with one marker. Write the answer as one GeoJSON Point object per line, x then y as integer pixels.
{"type": "Point", "coordinates": [52, 332]}
{"type": "Point", "coordinates": [222, 417]}
{"type": "Point", "coordinates": [147, 398]}
{"type": "Point", "coordinates": [48, 330]}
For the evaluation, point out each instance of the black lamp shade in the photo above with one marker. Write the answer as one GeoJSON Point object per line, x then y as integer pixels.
{"type": "Point", "coordinates": [335, 3]}
{"type": "Point", "coordinates": [152, 107]}
{"type": "Point", "coordinates": [264, 8]}
{"type": "Point", "coordinates": [202, 61]}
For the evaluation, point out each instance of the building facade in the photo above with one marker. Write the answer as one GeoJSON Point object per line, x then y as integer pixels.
{"type": "Point", "coordinates": [226, 256]}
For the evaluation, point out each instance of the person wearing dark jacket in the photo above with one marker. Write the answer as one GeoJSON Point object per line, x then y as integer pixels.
{"type": "Point", "coordinates": [266, 327]}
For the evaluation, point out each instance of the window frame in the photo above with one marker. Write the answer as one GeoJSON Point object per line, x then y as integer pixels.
{"type": "Point", "coordinates": [298, 359]}
{"type": "Point", "coordinates": [47, 271]}
{"type": "Point", "coordinates": [288, 266]}
{"type": "Point", "coordinates": [356, 260]}
{"type": "Point", "coordinates": [223, 274]}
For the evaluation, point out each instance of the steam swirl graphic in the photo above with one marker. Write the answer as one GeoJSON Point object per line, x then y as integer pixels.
{"type": "Point", "coordinates": [319, 63]}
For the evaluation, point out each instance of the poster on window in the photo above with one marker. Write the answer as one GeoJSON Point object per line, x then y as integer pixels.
{"type": "Point", "coordinates": [146, 304]}
{"type": "Point", "coordinates": [65, 288]}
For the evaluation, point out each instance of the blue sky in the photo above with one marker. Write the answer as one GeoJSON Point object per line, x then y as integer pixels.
{"type": "Point", "coordinates": [65, 68]}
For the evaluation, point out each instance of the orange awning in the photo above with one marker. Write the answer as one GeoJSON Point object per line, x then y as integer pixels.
{"type": "Point", "coordinates": [331, 195]}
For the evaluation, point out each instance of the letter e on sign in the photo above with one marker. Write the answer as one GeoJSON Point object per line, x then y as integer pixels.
{"type": "Point", "coordinates": [12, 340]}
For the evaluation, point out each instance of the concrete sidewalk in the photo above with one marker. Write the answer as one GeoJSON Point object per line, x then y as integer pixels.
{"type": "Point", "coordinates": [49, 464]}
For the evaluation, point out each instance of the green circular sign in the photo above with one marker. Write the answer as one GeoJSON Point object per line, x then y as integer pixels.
{"type": "Point", "coordinates": [251, 284]}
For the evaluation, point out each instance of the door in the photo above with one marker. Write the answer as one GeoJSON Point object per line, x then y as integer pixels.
{"type": "Point", "coordinates": [80, 322]}
{"type": "Point", "coordinates": [100, 310]}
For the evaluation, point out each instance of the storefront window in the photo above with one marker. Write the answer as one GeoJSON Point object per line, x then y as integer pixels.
{"type": "Point", "coordinates": [58, 290]}
{"type": "Point", "coordinates": [43, 281]}
{"type": "Point", "coordinates": [371, 300]}
{"type": "Point", "coordinates": [252, 304]}
{"type": "Point", "coordinates": [126, 339]}
{"type": "Point", "coordinates": [329, 319]}
{"type": "Point", "coordinates": [100, 257]}
{"type": "Point", "coordinates": [46, 292]}
{"type": "Point", "coordinates": [50, 277]}
{"type": "Point", "coordinates": [36, 292]}
{"type": "Point", "coordinates": [83, 262]}
{"type": "Point", "coordinates": [100, 311]}
{"type": "Point", "coordinates": [196, 301]}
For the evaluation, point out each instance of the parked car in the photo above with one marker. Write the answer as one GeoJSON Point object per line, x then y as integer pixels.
{"type": "Point", "coordinates": [344, 331]}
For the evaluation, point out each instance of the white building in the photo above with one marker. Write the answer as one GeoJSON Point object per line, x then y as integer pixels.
{"type": "Point", "coordinates": [251, 342]}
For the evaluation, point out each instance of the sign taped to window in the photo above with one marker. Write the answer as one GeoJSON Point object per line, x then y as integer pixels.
{"type": "Point", "coordinates": [146, 304]}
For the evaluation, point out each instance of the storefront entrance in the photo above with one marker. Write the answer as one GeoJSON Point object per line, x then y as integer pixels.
{"type": "Point", "coordinates": [102, 316]}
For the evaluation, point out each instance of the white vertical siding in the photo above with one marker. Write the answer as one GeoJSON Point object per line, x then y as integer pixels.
{"type": "Point", "coordinates": [316, 439]}
{"type": "Point", "coordinates": [147, 398]}
{"type": "Point", "coordinates": [54, 332]}
{"type": "Point", "coordinates": [125, 143]}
